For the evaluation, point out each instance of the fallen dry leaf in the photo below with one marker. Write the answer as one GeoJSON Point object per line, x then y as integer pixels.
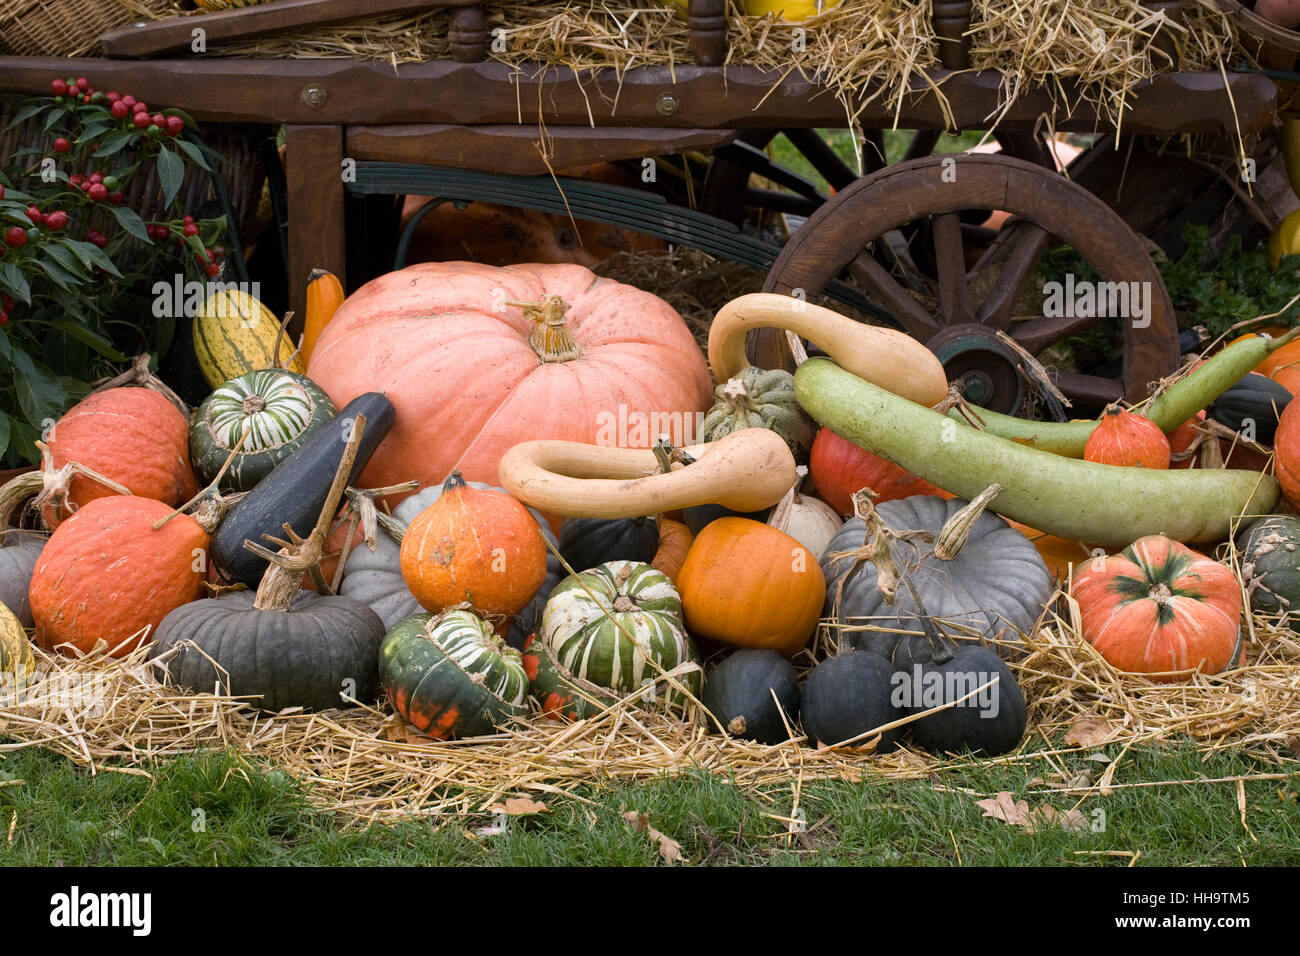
{"type": "Point", "coordinates": [518, 807]}
{"type": "Point", "coordinates": [394, 728]}
{"type": "Point", "coordinates": [669, 849]}
{"type": "Point", "coordinates": [1088, 732]}
{"type": "Point", "coordinates": [1018, 813]}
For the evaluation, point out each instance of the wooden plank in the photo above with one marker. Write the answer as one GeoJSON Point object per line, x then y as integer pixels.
{"type": "Point", "coordinates": [345, 92]}
{"type": "Point", "coordinates": [175, 34]}
{"type": "Point", "coordinates": [514, 149]}
{"type": "Point", "coordinates": [313, 163]}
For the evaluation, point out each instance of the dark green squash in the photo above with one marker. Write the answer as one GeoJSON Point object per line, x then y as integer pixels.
{"type": "Point", "coordinates": [1255, 398]}
{"type": "Point", "coordinates": [588, 542]}
{"type": "Point", "coordinates": [1270, 566]}
{"type": "Point", "coordinates": [272, 411]}
{"type": "Point", "coordinates": [306, 656]}
{"type": "Point", "coordinates": [990, 720]}
{"type": "Point", "coordinates": [696, 518]}
{"type": "Point", "coordinates": [450, 675]}
{"type": "Point", "coordinates": [847, 695]}
{"type": "Point", "coordinates": [739, 694]}
{"type": "Point", "coordinates": [295, 490]}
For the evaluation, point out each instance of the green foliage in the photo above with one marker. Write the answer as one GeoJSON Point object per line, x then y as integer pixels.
{"type": "Point", "coordinates": [1218, 289]}
{"type": "Point", "coordinates": [76, 287]}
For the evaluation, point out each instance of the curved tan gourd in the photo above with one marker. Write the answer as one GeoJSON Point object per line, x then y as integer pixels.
{"type": "Point", "coordinates": [747, 470]}
{"type": "Point", "coordinates": [885, 357]}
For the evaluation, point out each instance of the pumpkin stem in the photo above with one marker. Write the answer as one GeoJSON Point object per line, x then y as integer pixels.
{"type": "Point", "coordinates": [941, 649]}
{"type": "Point", "coordinates": [956, 399]}
{"type": "Point", "coordinates": [736, 395]}
{"type": "Point", "coordinates": [780, 517]}
{"type": "Point", "coordinates": [956, 530]}
{"type": "Point", "coordinates": [551, 338]}
{"type": "Point", "coordinates": [56, 483]}
{"type": "Point", "coordinates": [209, 517]}
{"type": "Point", "coordinates": [1161, 595]}
{"type": "Point", "coordinates": [283, 579]}
{"type": "Point", "coordinates": [140, 375]}
{"type": "Point", "coordinates": [254, 404]}
{"type": "Point", "coordinates": [455, 481]}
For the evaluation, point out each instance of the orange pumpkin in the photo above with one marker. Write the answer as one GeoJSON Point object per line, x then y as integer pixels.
{"type": "Point", "coordinates": [1181, 440]}
{"type": "Point", "coordinates": [1283, 364]}
{"type": "Point", "coordinates": [748, 584]}
{"type": "Point", "coordinates": [1161, 609]}
{"type": "Point", "coordinates": [839, 468]}
{"type": "Point", "coordinates": [675, 541]}
{"type": "Point", "coordinates": [131, 435]}
{"type": "Point", "coordinates": [1286, 452]}
{"type": "Point", "coordinates": [1123, 438]}
{"type": "Point", "coordinates": [107, 574]}
{"type": "Point", "coordinates": [473, 546]}
{"type": "Point", "coordinates": [471, 375]}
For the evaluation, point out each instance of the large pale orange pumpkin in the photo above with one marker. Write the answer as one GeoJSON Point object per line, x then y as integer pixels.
{"type": "Point", "coordinates": [471, 375]}
{"type": "Point", "coordinates": [1160, 608]}
{"type": "Point", "coordinates": [748, 584]}
{"type": "Point", "coordinates": [107, 574]}
{"type": "Point", "coordinates": [476, 546]}
{"type": "Point", "coordinates": [839, 468]}
{"type": "Point", "coordinates": [129, 434]}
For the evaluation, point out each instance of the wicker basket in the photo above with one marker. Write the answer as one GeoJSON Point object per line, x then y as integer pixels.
{"type": "Point", "coordinates": [68, 27]}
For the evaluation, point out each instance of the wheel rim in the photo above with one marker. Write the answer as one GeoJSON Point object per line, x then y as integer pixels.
{"type": "Point", "coordinates": [1045, 206]}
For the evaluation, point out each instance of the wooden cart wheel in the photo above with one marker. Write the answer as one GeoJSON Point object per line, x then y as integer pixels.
{"type": "Point", "coordinates": [1048, 209]}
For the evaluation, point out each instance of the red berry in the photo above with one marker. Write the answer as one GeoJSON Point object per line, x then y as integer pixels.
{"type": "Point", "coordinates": [2, 192]}
{"type": "Point", "coordinates": [4, 318]}
{"type": "Point", "coordinates": [117, 198]}
{"type": "Point", "coordinates": [85, 98]}
{"type": "Point", "coordinates": [97, 192]}
{"type": "Point", "coordinates": [34, 214]}
{"type": "Point", "coordinates": [57, 219]}
{"type": "Point", "coordinates": [16, 236]}
{"type": "Point", "coordinates": [96, 177]}
{"type": "Point", "coordinates": [112, 96]}
{"type": "Point", "coordinates": [213, 270]}
{"type": "Point", "coordinates": [141, 120]}
{"type": "Point", "coordinates": [139, 108]}
{"type": "Point", "coordinates": [61, 145]}
{"type": "Point", "coordinates": [97, 237]}
{"type": "Point", "coordinates": [82, 84]}
{"type": "Point", "coordinates": [175, 125]}
{"type": "Point", "coordinates": [129, 101]}
{"type": "Point", "coordinates": [159, 120]}
{"type": "Point", "coordinates": [191, 229]}
{"type": "Point", "coordinates": [59, 87]}
{"type": "Point", "coordinates": [188, 220]}
{"type": "Point", "coordinates": [120, 110]}
{"type": "Point", "coordinates": [9, 303]}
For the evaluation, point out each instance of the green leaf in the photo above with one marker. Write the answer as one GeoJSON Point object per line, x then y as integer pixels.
{"type": "Point", "coordinates": [26, 113]}
{"type": "Point", "coordinates": [40, 396]}
{"type": "Point", "coordinates": [56, 114]}
{"type": "Point", "coordinates": [64, 256]}
{"type": "Point", "coordinates": [195, 154]}
{"type": "Point", "coordinates": [115, 142]}
{"type": "Point", "coordinates": [90, 337]}
{"type": "Point", "coordinates": [4, 435]}
{"type": "Point", "coordinates": [91, 255]}
{"type": "Point", "coordinates": [130, 220]}
{"type": "Point", "coordinates": [59, 276]}
{"type": "Point", "coordinates": [14, 282]}
{"type": "Point", "coordinates": [6, 350]}
{"type": "Point", "coordinates": [91, 130]}
{"type": "Point", "coordinates": [171, 172]}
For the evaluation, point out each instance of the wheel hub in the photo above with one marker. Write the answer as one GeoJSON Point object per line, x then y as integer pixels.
{"type": "Point", "coordinates": [985, 367]}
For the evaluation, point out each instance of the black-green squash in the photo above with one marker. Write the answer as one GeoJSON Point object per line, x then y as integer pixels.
{"type": "Point", "coordinates": [1270, 566]}
{"type": "Point", "coordinates": [587, 542]}
{"type": "Point", "coordinates": [848, 695]}
{"type": "Point", "coordinates": [1254, 404]}
{"type": "Point", "coordinates": [450, 675]}
{"type": "Point", "coordinates": [699, 516]}
{"type": "Point", "coordinates": [273, 412]}
{"type": "Point", "coordinates": [296, 489]}
{"type": "Point", "coordinates": [748, 693]}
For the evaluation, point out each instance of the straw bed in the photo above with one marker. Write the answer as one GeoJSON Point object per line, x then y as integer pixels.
{"type": "Point", "coordinates": [366, 764]}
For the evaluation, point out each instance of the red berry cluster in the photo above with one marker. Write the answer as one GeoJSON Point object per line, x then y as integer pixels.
{"type": "Point", "coordinates": [207, 261]}
{"type": "Point", "coordinates": [122, 108]}
{"type": "Point", "coordinates": [6, 306]}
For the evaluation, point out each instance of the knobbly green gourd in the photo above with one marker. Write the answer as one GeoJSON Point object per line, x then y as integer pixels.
{"type": "Point", "coordinates": [760, 398]}
{"type": "Point", "coordinates": [1104, 505]}
{"type": "Point", "coordinates": [1270, 566]}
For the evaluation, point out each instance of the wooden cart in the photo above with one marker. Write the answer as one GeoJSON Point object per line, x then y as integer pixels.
{"type": "Point", "coordinates": [466, 128]}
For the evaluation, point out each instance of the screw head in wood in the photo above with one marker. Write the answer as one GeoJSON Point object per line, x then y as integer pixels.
{"type": "Point", "coordinates": [314, 95]}
{"type": "Point", "coordinates": [667, 104]}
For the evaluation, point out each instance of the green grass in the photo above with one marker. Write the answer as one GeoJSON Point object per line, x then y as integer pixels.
{"type": "Point", "coordinates": [217, 808]}
{"type": "Point", "coordinates": [784, 152]}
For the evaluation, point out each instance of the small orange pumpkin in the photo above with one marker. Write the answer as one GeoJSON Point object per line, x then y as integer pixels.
{"type": "Point", "coordinates": [107, 574]}
{"type": "Point", "coordinates": [839, 468]}
{"type": "Point", "coordinates": [1286, 452]}
{"type": "Point", "coordinates": [675, 541]}
{"type": "Point", "coordinates": [474, 546]}
{"type": "Point", "coordinates": [1123, 438]}
{"type": "Point", "coordinates": [748, 584]}
{"type": "Point", "coordinates": [129, 434]}
{"type": "Point", "coordinates": [1283, 364]}
{"type": "Point", "coordinates": [1181, 440]}
{"type": "Point", "coordinates": [1159, 608]}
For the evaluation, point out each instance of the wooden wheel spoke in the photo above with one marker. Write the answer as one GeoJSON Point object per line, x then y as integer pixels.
{"type": "Point", "coordinates": [922, 144]}
{"type": "Point", "coordinates": [1037, 334]}
{"type": "Point", "coordinates": [1021, 254]}
{"type": "Point", "coordinates": [950, 265]}
{"type": "Point", "coordinates": [1088, 389]}
{"type": "Point", "coordinates": [885, 289]}
{"type": "Point", "coordinates": [826, 161]}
